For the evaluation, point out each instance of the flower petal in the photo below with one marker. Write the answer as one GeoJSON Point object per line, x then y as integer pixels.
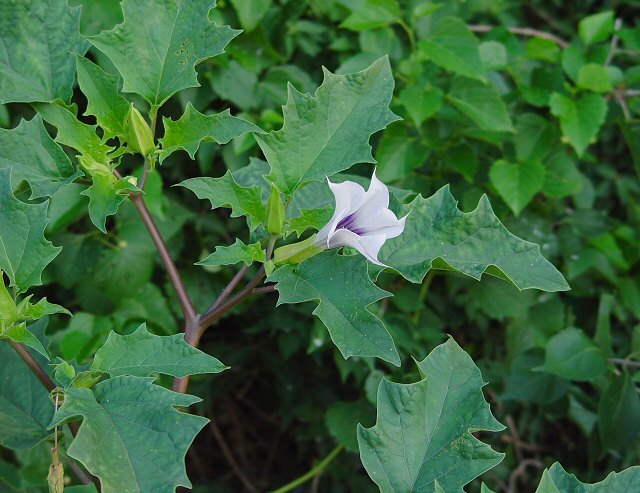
{"type": "Point", "coordinates": [349, 196]}
{"type": "Point", "coordinates": [369, 246]}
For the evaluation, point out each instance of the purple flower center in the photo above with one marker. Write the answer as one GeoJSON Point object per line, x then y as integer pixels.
{"type": "Point", "coordinates": [348, 223]}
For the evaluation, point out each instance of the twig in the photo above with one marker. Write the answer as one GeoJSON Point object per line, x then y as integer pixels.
{"type": "Point", "coordinates": [265, 289]}
{"type": "Point", "coordinates": [317, 470]}
{"type": "Point", "coordinates": [226, 451]}
{"type": "Point", "coordinates": [523, 31]}
{"type": "Point", "coordinates": [228, 289]}
{"type": "Point", "coordinates": [625, 362]}
{"type": "Point", "coordinates": [614, 42]}
{"type": "Point", "coordinates": [520, 470]}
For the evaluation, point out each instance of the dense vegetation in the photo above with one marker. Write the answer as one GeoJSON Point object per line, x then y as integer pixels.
{"type": "Point", "coordinates": [534, 104]}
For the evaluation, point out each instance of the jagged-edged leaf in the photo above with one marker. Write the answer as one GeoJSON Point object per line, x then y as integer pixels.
{"type": "Point", "coordinates": [343, 289]}
{"type": "Point", "coordinates": [33, 156]}
{"type": "Point", "coordinates": [142, 437]}
{"type": "Point", "coordinates": [159, 44]}
{"type": "Point", "coordinates": [142, 353]}
{"type": "Point", "coordinates": [25, 407]}
{"type": "Point", "coordinates": [557, 480]}
{"type": "Point", "coordinates": [329, 131]}
{"type": "Point", "coordinates": [225, 192]}
{"type": "Point", "coordinates": [481, 103]}
{"type": "Point", "coordinates": [103, 99]}
{"type": "Point", "coordinates": [438, 235]}
{"type": "Point", "coordinates": [308, 219]}
{"type": "Point", "coordinates": [238, 252]}
{"type": "Point", "coordinates": [19, 333]}
{"type": "Point", "coordinates": [423, 432]}
{"type": "Point", "coordinates": [452, 46]}
{"type": "Point", "coordinates": [24, 251]}
{"type": "Point", "coordinates": [193, 127]}
{"type": "Point", "coordinates": [580, 119]}
{"type": "Point", "coordinates": [39, 38]}
{"type": "Point", "coordinates": [106, 193]}
{"type": "Point", "coordinates": [35, 311]}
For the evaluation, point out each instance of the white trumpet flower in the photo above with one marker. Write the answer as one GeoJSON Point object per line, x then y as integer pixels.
{"type": "Point", "coordinates": [362, 220]}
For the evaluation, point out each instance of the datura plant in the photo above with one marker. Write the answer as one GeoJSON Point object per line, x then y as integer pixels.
{"type": "Point", "coordinates": [317, 226]}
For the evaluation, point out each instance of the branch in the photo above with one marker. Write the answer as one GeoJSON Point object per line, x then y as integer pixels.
{"type": "Point", "coordinates": [523, 31]}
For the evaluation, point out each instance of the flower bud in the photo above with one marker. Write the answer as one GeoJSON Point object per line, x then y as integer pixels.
{"type": "Point", "coordinates": [276, 214]}
{"type": "Point", "coordinates": [139, 136]}
{"type": "Point", "coordinates": [8, 308]}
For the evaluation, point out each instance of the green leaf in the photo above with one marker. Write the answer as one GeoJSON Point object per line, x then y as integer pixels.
{"type": "Point", "coordinates": [343, 289]}
{"type": "Point", "coordinates": [342, 420]}
{"type": "Point", "coordinates": [572, 355]}
{"type": "Point", "coordinates": [526, 384]}
{"type": "Point", "coordinates": [39, 39]}
{"type": "Point", "coordinates": [31, 155]}
{"type": "Point", "coordinates": [225, 192]}
{"type": "Point", "coordinates": [543, 49]}
{"type": "Point", "coordinates": [105, 196]}
{"type": "Point", "coordinates": [22, 256]}
{"type": "Point", "coordinates": [238, 252]}
{"type": "Point", "coordinates": [159, 43]}
{"type": "Point", "coordinates": [619, 413]}
{"type": "Point", "coordinates": [596, 27]}
{"type": "Point", "coordinates": [594, 77]}
{"type": "Point", "coordinates": [438, 235]}
{"type": "Point", "coordinates": [371, 14]}
{"type": "Point", "coordinates": [562, 177]}
{"type": "Point", "coordinates": [464, 160]}
{"type": "Point", "coordinates": [398, 153]}
{"type": "Point", "coordinates": [308, 219]}
{"type": "Point", "coordinates": [25, 407]}
{"type": "Point", "coordinates": [493, 55]}
{"type": "Point", "coordinates": [143, 438]}
{"type": "Point", "coordinates": [250, 12]}
{"type": "Point", "coordinates": [141, 353]}
{"type": "Point", "coordinates": [517, 183]}
{"type": "Point", "coordinates": [557, 480]}
{"type": "Point", "coordinates": [481, 103]}
{"type": "Point", "coordinates": [421, 102]}
{"type": "Point", "coordinates": [534, 137]}
{"type": "Point", "coordinates": [423, 431]}
{"type": "Point", "coordinates": [35, 311]}
{"type": "Point", "coordinates": [580, 119]}
{"type": "Point", "coordinates": [312, 143]}
{"type": "Point", "coordinates": [453, 47]}
{"type": "Point", "coordinates": [19, 333]}
{"type": "Point", "coordinates": [103, 99]}
{"type": "Point", "coordinates": [193, 127]}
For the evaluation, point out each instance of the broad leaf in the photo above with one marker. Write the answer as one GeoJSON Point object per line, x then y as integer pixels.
{"type": "Point", "coordinates": [452, 46]}
{"type": "Point", "coordinates": [308, 219]}
{"type": "Point", "coordinates": [141, 353]}
{"type": "Point", "coordinates": [343, 289]}
{"type": "Point", "coordinates": [371, 14]}
{"type": "Point", "coordinates": [193, 127]}
{"type": "Point", "coordinates": [572, 355]}
{"type": "Point", "coordinates": [421, 102]}
{"type": "Point", "coordinates": [328, 132]}
{"type": "Point", "coordinates": [38, 39]}
{"type": "Point", "coordinates": [517, 183]}
{"type": "Point", "coordinates": [160, 42]}
{"type": "Point", "coordinates": [423, 432]}
{"type": "Point", "coordinates": [225, 192]}
{"type": "Point", "coordinates": [103, 99]}
{"type": "Point", "coordinates": [596, 27]}
{"type": "Point", "coordinates": [562, 177]}
{"type": "Point", "coordinates": [534, 137]}
{"type": "Point", "coordinates": [22, 256]}
{"type": "Point", "coordinates": [238, 252]}
{"type": "Point", "coordinates": [580, 119]}
{"type": "Point", "coordinates": [19, 333]}
{"type": "Point", "coordinates": [142, 438]}
{"type": "Point", "coordinates": [106, 193]}
{"type": "Point", "coordinates": [594, 77]}
{"type": "Point", "coordinates": [438, 235]}
{"type": "Point", "coordinates": [557, 480]}
{"type": "Point", "coordinates": [250, 12]}
{"type": "Point", "coordinates": [619, 413]}
{"type": "Point", "coordinates": [31, 155]}
{"type": "Point", "coordinates": [481, 103]}
{"type": "Point", "coordinates": [25, 406]}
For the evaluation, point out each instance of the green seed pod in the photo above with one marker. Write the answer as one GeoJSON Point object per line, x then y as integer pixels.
{"type": "Point", "coordinates": [276, 212]}
{"type": "Point", "coordinates": [139, 137]}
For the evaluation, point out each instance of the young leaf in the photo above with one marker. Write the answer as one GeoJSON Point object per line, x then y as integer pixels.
{"type": "Point", "coordinates": [105, 196]}
{"type": "Point", "coordinates": [238, 252]}
{"type": "Point", "coordinates": [24, 251]}
{"type": "Point", "coordinates": [343, 289]}
{"type": "Point", "coordinates": [470, 243]}
{"type": "Point", "coordinates": [225, 192]}
{"type": "Point", "coordinates": [580, 119]}
{"type": "Point", "coordinates": [193, 127]}
{"type": "Point", "coordinates": [140, 354]}
{"type": "Point", "coordinates": [481, 103]}
{"type": "Point", "coordinates": [517, 183]}
{"type": "Point", "coordinates": [39, 39]}
{"type": "Point", "coordinates": [423, 432]}
{"type": "Point", "coordinates": [329, 132]}
{"type": "Point", "coordinates": [19, 333]}
{"type": "Point", "coordinates": [103, 99]}
{"type": "Point", "coordinates": [557, 480]}
{"type": "Point", "coordinates": [31, 155]}
{"type": "Point", "coordinates": [452, 46]}
{"type": "Point", "coordinates": [572, 355]}
{"type": "Point", "coordinates": [159, 44]}
{"type": "Point", "coordinates": [142, 438]}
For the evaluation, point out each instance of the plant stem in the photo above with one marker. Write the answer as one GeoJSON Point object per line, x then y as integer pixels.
{"type": "Point", "coordinates": [317, 470]}
{"type": "Point", "coordinates": [523, 31]}
{"type": "Point", "coordinates": [410, 35]}
{"type": "Point", "coordinates": [625, 362]}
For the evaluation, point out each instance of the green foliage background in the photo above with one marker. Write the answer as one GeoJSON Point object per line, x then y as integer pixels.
{"type": "Point", "coordinates": [548, 129]}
